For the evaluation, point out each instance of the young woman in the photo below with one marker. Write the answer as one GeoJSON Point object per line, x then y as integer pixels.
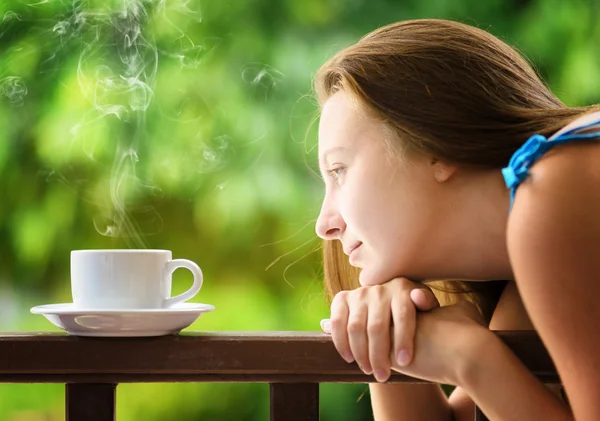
{"type": "Point", "coordinates": [445, 157]}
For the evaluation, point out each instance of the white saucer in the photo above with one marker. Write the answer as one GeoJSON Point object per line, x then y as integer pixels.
{"type": "Point", "coordinates": [117, 322]}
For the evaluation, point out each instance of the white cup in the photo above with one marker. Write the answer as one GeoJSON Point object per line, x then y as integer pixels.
{"type": "Point", "coordinates": [127, 279]}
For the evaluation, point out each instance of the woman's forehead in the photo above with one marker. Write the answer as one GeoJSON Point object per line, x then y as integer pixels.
{"type": "Point", "coordinates": [343, 106]}
{"type": "Point", "coordinates": [343, 122]}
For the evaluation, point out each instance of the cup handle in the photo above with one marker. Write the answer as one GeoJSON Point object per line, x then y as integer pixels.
{"type": "Point", "coordinates": [173, 265]}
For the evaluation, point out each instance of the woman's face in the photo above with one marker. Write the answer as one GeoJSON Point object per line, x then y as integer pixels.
{"type": "Point", "coordinates": [381, 208]}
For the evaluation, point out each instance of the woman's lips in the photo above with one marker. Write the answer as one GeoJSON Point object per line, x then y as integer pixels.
{"type": "Point", "coordinates": [352, 254]}
{"type": "Point", "coordinates": [349, 250]}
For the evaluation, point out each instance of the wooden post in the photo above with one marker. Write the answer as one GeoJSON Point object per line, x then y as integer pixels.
{"type": "Point", "coordinates": [90, 401]}
{"type": "Point", "coordinates": [294, 401]}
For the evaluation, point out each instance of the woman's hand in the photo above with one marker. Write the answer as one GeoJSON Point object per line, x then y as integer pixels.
{"type": "Point", "coordinates": [361, 319]}
{"type": "Point", "coordinates": [448, 342]}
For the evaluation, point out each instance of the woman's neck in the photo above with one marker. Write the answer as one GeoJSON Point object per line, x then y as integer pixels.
{"type": "Point", "coordinates": [476, 248]}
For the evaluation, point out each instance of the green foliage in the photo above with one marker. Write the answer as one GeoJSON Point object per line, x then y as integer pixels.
{"type": "Point", "coordinates": [195, 134]}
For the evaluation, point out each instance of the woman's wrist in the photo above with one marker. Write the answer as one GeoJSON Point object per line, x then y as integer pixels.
{"type": "Point", "coordinates": [480, 351]}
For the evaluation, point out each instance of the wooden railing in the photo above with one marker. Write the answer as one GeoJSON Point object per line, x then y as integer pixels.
{"type": "Point", "coordinates": [294, 363]}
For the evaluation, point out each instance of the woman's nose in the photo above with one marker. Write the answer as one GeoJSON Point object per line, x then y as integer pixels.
{"type": "Point", "coordinates": [330, 224]}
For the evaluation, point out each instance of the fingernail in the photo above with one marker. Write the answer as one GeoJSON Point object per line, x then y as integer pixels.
{"type": "Point", "coordinates": [348, 357]}
{"type": "Point", "coordinates": [381, 375]}
{"type": "Point", "coordinates": [403, 357]}
{"type": "Point", "coordinates": [325, 325]}
{"type": "Point", "coordinates": [367, 369]}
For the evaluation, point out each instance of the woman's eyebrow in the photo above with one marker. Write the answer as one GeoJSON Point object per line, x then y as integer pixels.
{"type": "Point", "coordinates": [330, 151]}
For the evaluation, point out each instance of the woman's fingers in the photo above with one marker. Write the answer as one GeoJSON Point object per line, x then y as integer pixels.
{"type": "Point", "coordinates": [378, 330]}
{"type": "Point", "coordinates": [424, 299]}
{"type": "Point", "coordinates": [404, 317]}
{"type": "Point", "coordinates": [357, 335]}
{"type": "Point", "coordinates": [338, 326]}
{"type": "Point", "coordinates": [326, 326]}
{"type": "Point", "coordinates": [360, 324]}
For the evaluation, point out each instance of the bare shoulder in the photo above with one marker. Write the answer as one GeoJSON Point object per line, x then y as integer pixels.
{"type": "Point", "coordinates": [553, 239]}
{"type": "Point", "coordinates": [571, 170]}
{"type": "Point", "coordinates": [557, 208]}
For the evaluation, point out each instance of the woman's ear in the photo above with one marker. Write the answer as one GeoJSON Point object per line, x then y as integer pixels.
{"type": "Point", "coordinates": [442, 171]}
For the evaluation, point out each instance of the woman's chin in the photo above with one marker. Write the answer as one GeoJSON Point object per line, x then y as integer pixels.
{"type": "Point", "coordinates": [369, 277]}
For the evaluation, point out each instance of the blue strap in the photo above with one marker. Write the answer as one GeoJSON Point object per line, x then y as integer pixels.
{"type": "Point", "coordinates": [522, 160]}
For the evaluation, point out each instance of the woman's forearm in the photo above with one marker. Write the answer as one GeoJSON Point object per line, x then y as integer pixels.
{"type": "Point", "coordinates": [423, 402]}
{"type": "Point", "coordinates": [506, 390]}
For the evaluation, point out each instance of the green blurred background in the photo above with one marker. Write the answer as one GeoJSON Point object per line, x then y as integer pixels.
{"type": "Point", "coordinates": [190, 126]}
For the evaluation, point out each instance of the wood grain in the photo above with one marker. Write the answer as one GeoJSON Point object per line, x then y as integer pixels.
{"type": "Point", "coordinates": [270, 357]}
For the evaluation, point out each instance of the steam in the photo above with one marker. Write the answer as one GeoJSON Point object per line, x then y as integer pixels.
{"type": "Point", "coordinates": [7, 21]}
{"type": "Point", "coordinates": [116, 69]}
{"type": "Point", "coordinates": [214, 155]}
{"type": "Point", "coordinates": [14, 90]}
{"type": "Point", "coordinates": [117, 219]}
{"type": "Point", "coordinates": [116, 74]}
{"type": "Point", "coordinates": [122, 90]}
{"type": "Point", "coordinates": [262, 77]}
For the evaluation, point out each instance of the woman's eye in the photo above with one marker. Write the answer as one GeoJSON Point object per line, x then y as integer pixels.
{"type": "Point", "coordinates": [335, 173]}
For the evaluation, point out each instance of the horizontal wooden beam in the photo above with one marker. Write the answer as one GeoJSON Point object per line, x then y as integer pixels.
{"type": "Point", "coordinates": [270, 357]}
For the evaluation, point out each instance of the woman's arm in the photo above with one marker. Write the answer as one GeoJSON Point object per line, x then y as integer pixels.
{"type": "Point", "coordinates": [453, 346]}
{"type": "Point", "coordinates": [506, 390]}
{"type": "Point", "coordinates": [423, 402]}
{"type": "Point", "coordinates": [554, 246]}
